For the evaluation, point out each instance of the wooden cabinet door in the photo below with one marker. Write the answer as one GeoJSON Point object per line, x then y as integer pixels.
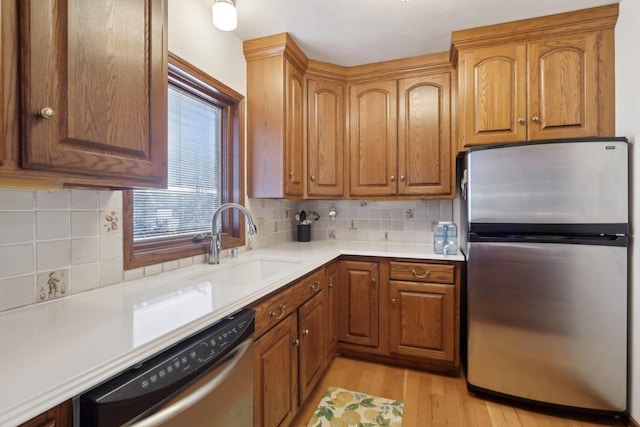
{"type": "Point", "coordinates": [58, 416]}
{"type": "Point", "coordinates": [563, 87]}
{"type": "Point", "coordinates": [325, 134]}
{"type": "Point", "coordinates": [332, 309]}
{"type": "Point", "coordinates": [276, 375]}
{"type": "Point", "coordinates": [424, 135]}
{"type": "Point", "coordinates": [312, 325]}
{"type": "Point", "coordinates": [422, 320]}
{"type": "Point", "coordinates": [373, 138]}
{"type": "Point", "coordinates": [493, 94]}
{"type": "Point", "coordinates": [94, 88]}
{"type": "Point", "coordinates": [294, 155]}
{"type": "Point", "coordinates": [358, 302]}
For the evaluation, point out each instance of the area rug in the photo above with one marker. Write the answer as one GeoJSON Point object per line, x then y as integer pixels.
{"type": "Point", "coordinates": [343, 408]}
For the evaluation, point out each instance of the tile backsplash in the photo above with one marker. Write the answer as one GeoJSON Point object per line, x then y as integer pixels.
{"type": "Point", "coordinates": [58, 243]}
{"type": "Point", "coordinates": [378, 221]}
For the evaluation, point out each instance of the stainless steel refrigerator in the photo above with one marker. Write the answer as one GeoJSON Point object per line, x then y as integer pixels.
{"type": "Point", "coordinates": [547, 272]}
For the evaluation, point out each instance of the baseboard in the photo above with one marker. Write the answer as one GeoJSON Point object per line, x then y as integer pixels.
{"type": "Point", "coordinates": [630, 421]}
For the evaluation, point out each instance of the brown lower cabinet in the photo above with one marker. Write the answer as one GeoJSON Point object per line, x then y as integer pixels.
{"type": "Point", "coordinates": [58, 416]}
{"type": "Point", "coordinates": [291, 348]}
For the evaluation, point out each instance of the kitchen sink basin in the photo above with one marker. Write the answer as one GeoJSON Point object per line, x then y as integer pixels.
{"type": "Point", "coordinates": [252, 270]}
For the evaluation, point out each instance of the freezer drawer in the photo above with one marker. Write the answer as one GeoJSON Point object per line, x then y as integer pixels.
{"type": "Point", "coordinates": [548, 322]}
{"type": "Point", "coordinates": [549, 183]}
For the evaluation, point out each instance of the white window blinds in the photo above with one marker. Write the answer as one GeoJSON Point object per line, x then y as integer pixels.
{"type": "Point", "coordinates": [193, 194]}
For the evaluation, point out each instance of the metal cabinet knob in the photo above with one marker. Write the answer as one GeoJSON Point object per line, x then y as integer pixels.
{"type": "Point", "coordinates": [535, 119]}
{"type": "Point", "coordinates": [305, 332]}
{"type": "Point", "coordinates": [296, 342]}
{"type": "Point", "coordinates": [330, 285]}
{"type": "Point", "coordinates": [393, 301]}
{"type": "Point", "coordinates": [47, 113]}
{"type": "Point", "coordinates": [521, 121]}
{"type": "Point", "coordinates": [402, 178]}
{"type": "Point", "coordinates": [373, 281]}
{"type": "Point", "coordinates": [291, 173]}
{"type": "Point", "coordinates": [392, 178]}
{"type": "Point", "coordinates": [313, 178]}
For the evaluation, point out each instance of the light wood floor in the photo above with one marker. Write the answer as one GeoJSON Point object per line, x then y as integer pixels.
{"type": "Point", "coordinates": [433, 400]}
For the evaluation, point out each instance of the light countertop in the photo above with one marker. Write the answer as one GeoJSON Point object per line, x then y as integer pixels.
{"type": "Point", "coordinates": [55, 350]}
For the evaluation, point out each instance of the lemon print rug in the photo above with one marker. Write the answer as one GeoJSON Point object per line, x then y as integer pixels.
{"type": "Point", "coordinates": [343, 408]}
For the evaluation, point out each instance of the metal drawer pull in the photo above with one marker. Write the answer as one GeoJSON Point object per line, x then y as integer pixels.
{"type": "Point", "coordinates": [296, 342]}
{"type": "Point", "coordinates": [393, 300]}
{"type": "Point", "coordinates": [279, 316]}
{"type": "Point", "coordinates": [305, 332]}
{"type": "Point", "coordinates": [421, 276]}
{"type": "Point", "coordinates": [330, 285]}
{"type": "Point", "coordinates": [315, 285]}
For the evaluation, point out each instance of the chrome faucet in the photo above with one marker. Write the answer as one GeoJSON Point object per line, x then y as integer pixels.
{"type": "Point", "coordinates": [216, 239]}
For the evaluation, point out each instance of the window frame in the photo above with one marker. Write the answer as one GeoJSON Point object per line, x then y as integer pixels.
{"type": "Point", "coordinates": [187, 77]}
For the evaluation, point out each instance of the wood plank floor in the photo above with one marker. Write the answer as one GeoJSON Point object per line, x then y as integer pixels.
{"type": "Point", "coordinates": [433, 400]}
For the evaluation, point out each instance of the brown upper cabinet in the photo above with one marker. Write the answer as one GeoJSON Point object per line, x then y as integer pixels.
{"type": "Point", "coordinates": [275, 96]}
{"type": "Point", "coordinates": [325, 138]}
{"type": "Point", "coordinates": [378, 130]}
{"type": "Point", "coordinates": [400, 137]}
{"type": "Point", "coordinates": [541, 78]}
{"type": "Point", "coordinates": [373, 138]}
{"type": "Point", "coordinates": [91, 108]}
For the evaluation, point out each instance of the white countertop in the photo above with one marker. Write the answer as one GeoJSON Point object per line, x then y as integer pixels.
{"type": "Point", "coordinates": [55, 350]}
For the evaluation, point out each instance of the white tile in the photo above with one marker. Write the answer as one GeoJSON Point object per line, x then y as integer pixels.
{"type": "Point", "coordinates": [52, 254]}
{"type": "Point", "coordinates": [16, 200]}
{"type": "Point", "coordinates": [85, 250]}
{"type": "Point", "coordinates": [170, 265]}
{"type": "Point", "coordinates": [16, 292]}
{"type": "Point", "coordinates": [84, 199]}
{"type": "Point", "coordinates": [110, 200]}
{"type": "Point", "coordinates": [16, 227]}
{"type": "Point", "coordinates": [152, 270]}
{"type": "Point", "coordinates": [199, 259]}
{"type": "Point", "coordinates": [85, 277]}
{"type": "Point", "coordinates": [111, 222]}
{"type": "Point", "coordinates": [136, 273]}
{"type": "Point", "coordinates": [185, 262]}
{"type": "Point", "coordinates": [52, 199]}
{"type": "Point", "coordinates": [52, 284]}
{"type": "Point", "coordinates": [52, 225]}
{"type": "Point", "coordinates": [446, 210]}
{"type": "Point", "coordinates": [84, 223]}
{"type": "Point", "coordinates": [111, 247]}
{"type": "Point", "coordinates": [16, 260]}
{"type": "Point", "coordinates": [111, 272]}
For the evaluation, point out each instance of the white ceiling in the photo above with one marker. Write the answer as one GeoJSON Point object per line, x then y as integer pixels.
{"type": "Point", "coordinates": [355, 32]}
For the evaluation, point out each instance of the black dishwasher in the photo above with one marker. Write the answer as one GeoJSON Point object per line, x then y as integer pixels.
{"type": "Point", "coordinates": [206, 379]}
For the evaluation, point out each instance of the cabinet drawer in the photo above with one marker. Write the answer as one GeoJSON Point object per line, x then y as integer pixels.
{"type": "Point", "coordinates": [272, 310]}
{"type": "Point", "coordinates": [422, 272]}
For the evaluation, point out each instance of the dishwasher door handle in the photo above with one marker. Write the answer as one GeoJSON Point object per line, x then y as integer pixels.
{"type": "Point", "coordinates": [176, 408]}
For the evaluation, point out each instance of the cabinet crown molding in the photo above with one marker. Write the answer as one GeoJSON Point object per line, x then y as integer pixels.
{"type": "Point", "coordinates": [276, 45]}
{"type": "Point", "coordinates": [593, 19]}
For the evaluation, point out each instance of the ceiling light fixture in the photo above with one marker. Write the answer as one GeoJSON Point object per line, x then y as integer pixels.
{"type": "Point", "coordinates": [225, 15]}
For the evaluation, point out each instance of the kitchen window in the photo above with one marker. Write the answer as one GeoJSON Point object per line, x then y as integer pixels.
{"type": "Point", "coordinates": [205, 126]}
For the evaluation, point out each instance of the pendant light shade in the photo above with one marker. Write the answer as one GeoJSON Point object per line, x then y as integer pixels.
{"type": "Point", "coordinates": [225, 16]}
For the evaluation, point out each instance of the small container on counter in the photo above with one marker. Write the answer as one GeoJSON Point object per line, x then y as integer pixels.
{"type": "Point", "coordinates": [445, 238]}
